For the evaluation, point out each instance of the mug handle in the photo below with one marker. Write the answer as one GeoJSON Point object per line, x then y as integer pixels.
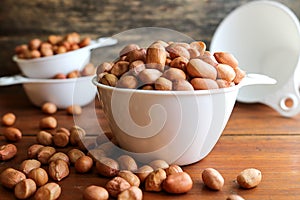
{"type": "Point", "coordinates": [286, 101]}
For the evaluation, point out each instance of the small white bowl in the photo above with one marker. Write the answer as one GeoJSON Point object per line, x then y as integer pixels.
{"type": "Point", "coordinates": [48, 67]}
{"type": "Point", "coordinates": [181, 127]}
{"type": "Point", "coordinates": [61, 92]}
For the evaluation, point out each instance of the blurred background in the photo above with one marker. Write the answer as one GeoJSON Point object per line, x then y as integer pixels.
{"type": "Point", "coordinates": [23, 20]}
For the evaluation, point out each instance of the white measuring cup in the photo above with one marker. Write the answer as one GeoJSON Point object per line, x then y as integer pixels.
{"type": "Point", "coordinates": [264, 36]}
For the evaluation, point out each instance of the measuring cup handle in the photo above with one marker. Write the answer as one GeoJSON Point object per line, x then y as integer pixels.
{"type": "Point", "coordinates": [286, 103]}
{"type": "Point", "coordinates": [12, 80]}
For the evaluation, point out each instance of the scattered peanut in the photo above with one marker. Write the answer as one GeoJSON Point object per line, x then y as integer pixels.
{"type": "Point", "coordinates": [48, 123]}
{"type": "Point", "coordinates": [130, 177]}
{"type": "Point", "coordinates": [134, 193]}
{"type": "Point", "coordinates": [12, 134]}
{"type": "Point", "coordinates": [59, 156]}
{"type": "Point", "coordinates": [33, 150]}
{"type": "Point", "coordinates": [44, 138]}
{"type": "Point", "coordinates": [143, 172]}
{"type": "Point", "coordinates": [94, 192]}
{"type": "Point", "coordinates": [234, 197]}
{"type": "Point", "coordinates": [178, 183]}
{"type": "Point", "coordinates": [39, 175]}
{"type": "Point", "coordinates": [8, 119]}
{"type": "Point", "coordinates": [45, 154]}
{"type": "Point", "coordinates": [49, 108]}
{"type": "Point", "coordinates": [10, 177]}
{"type": "Point", "coordinates": [27, 165]}
{"type": "Point", "coordinates": [126, 162]}
{"type": "Point", "coordinates": [7, 151]}
{"type": "Point", "coordinates": [75, 154]}
{"type": "Point", "coordinates": [172, 169]}
{"type": "Point", "coordinates": [49, 191]}
{"type": "Point", "coordinates": [212, 179]}
{"type": "Point", "coordinates": [249, 178]}
{"type": "Point", "coordinates": [154, 180]}
{"type": "Point", "coordinates": [74, 110]}
{"type": "Point", "coordinates": [83, 164]}
{"type": "Point", "coordinates": [25, 189]}
{"type": "Point", "coordinates": [60, 139]}
{"type": "Point", "coordinates": [76, 134]}
{"type": "Point", "coordinates": [58, 170]}
{"type": "Point", "coordinates": [156, 164]}
{"type": "Point", "coordinates": [116, 185]}
{"type": "Point", "coordinates": [107, 167]}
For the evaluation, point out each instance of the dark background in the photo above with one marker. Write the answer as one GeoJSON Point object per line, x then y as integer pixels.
{"type": "Point", "coordinates": [22, 20]}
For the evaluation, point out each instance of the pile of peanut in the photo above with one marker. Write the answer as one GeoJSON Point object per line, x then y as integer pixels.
{"type": "Point", "coordinates": [55, 44]}
{"type": "Point", "coordinates": [88, 70]}
{"type": "Point", "coordinates": [48, 163]}
{"type": "Point", "coordinates": [171, 66]}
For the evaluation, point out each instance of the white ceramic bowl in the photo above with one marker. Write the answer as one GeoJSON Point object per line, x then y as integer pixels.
{"type": "Point", "coordinates": [61, 92]}
{"type": "Point", "coordinates": [181, 127]}
{"type": "Point", "coordinates": [48, 67]}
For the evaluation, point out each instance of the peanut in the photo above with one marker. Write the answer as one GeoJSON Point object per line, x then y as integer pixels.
{"type": "Point", "coordinates": [25, 188]}
{"type": "Point", "coordinates": [173, 169]}
{"type": "Point", "coordinates": [234, 197]}
{"type": "Point", "coordinates": [200, 69]}
{"type": "Point", "coordinates": [156, 57]}
{"type": "Point", "coordinates": [163, 84]}
{"type": "Point", "coordinates": [225, 72]}
{"type": "Point", "coordinates": [76, 134]}
{"type": "Point", "coordinates": [59, 156]}
{"type": "Point", "coordinates": [154, 180]}
{"type": "Point", "coordinates": [126, 162]}
{"type": "Point", "coordinates": [156, 164]}
{"type": "Point", "coordinates": [27, 165]}
{"type": "Point", "coordinates": [39, 175]}
{"type": "Point", "coordinates": [74, 110]}
{"type": "Point", "coordinates": [45, 154]}
{"type": "Point", "coordinates": [7, 151]}
{"type": "Point", "coordinates": [133, 192]}
{"type": "Point", "coordinates": [33, 150]}
{"type": "Point", "coordinates": [226, 58]}
{"type": "Point", "coordinates": [49, 108]}
{"type": "Point", "coordinates": [130, 177]}
{"type": "Point", "coordinates": [49, 191]}
{"type": "Point", "coordinates": [12, 134]}
{"type": "Point", "coordinates": [8, 119]}
{"type": "Point", "coordinates": [212, 179]}
{"type": "Point", "coordinates": [178, 183]}
{"type": "Point", "coordinates": [83, 164]}
{"type": "Point", "coordinates": [94, 192]}
{"type": "Point", "coordinates": [44, 138]}
{"type": "Point", "coordinates": [143, 172]}
{"type": "Point", "coordinates": [249, 178]}
{"type": "Point", "coordinates": [10, 177]}
{"type": "Point", "coordinates": [48, 123]}
{"type": "Point", "coordinates": [107, 167]}
{"type": "Point", "coordinates": [116, 185]}
{"type": "Point", "coordinates": [204, 84]}
{"type": "Point", "coordinates": [75, 154]}
{"type": "Point", "coordinates": [58, 170]}
{"type": "Point", "coordinates": [61, 139]}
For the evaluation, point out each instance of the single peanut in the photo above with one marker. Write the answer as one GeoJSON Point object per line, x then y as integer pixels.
{"type": "Point", "coordinates": [33, 150]}
{"type": "Point", "coordinates": [8, 119]}
{"type": "Point", "coordinates": [83, 164]}
{"type": "Point", "coordinates": [27, 165]}
{"type": "Point", "coordinates": [7, 151]}
{"type": "Point", "coordinates": [25, 189]}
{"type": "Point", "coordinates": [44, 138]}
{"type": "Point", "coordinates": [49, 191]}
{"type": "Point", "coordinates": [126, 162]}
{"type": "Point", "coordinates": [12, 134]}
{"type": "Point", "coordinates": [200, 69]}
{"type": "Point", "coordinates": [49, 108]}
{"type": "Point", "coordinates": [74, 110]}
{"type": "Point", "coordinates": [225, 72]}
{"type": "Point", "coordinates": [58, 170]}
{"type": "Point", "coordinates": [234, 197]}
{"type": "Point", "coordinates": [182, 85]}
{"type": "Point", "coordinates": [174, 74]}
{"type": "Point", "coordinates": [61, 139]}
{"type": "Point", "coordinates": [212, 179]}
{"type": "Point", "coordinates": [59, 156]}
{"type": "Point", "coordinates": [163, 84]}
{"type": "Point", "coordinates": [156, 57]}
{"type": "Point", "coordinates": [45, 154]}
{"type": "Point", "coordinates": [204, 84]}
{"type": "Point", "coordinates": [143, 172]}
{"type": "Point", "coordinates": [178, 183]}
{"type": "Point", "coordinates": [130, 177]}
{"type": "Point", "coordinates": [94, 192]}
{"type": "Point", "coordinates": [226, 58]}
{"type": "Point", "coordinates": [76, 134]}
{"type": "Point", "coordinates": [39, 175]}
{"type": "Point", "coordinates": [74, 154]}
{"type": "Point", "coordinates": [249, 178]}
{"type": "Point", "coordinates": [127, 81]}
{"type": "Point", "coordinates": [116, 185]}
{"type": "Point", "coordinates": [48, 123]}
{"type": "Point", "coordinates": [10, 177]}
{"type": "Point", "coordinates": [133, 192]}
{"type": "Point", "coordinates": [119, 68]}
{"type": "Point", "coordinates": [156, 164]}
{"type": "Point", "coordinates": [107, 167]}
{"type": "Point", "coordinates": [154, 180]}
{"type": "Point", "coordinates": [173, 169]}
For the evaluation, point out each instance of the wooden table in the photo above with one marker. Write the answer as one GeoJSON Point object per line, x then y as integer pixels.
{"type": "Point", "coordinates": [255, 136]}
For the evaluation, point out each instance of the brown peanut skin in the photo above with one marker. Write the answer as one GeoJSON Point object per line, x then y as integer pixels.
{"type": "Point", "coordinates": [48, 123]}
{"type": "Point", "coordinates": [204, 84]}
{"type": "Point", "coordinates": [249, 178]}
{"type": "Point", "coordinates": [25, 188]}
{"type": "Point", "coordinates": [127, 163]}
{"type": "Point", "coordinates": [94, 192]}
{"type": "Point", "coordinates": [234, 197]}
{"type": "Point", "coordinates": [12, 134]}
{"type": "Point", "coordinates": [226, 58]}
{"type": "Point", "coordinates": [8, 151]}
{"type": "Point", "coordinates": [49, 191]}
{"type": "Point", "coordinates": [200, 69]}
{"type": "Point", "coordinates": [10, 177]}
{"type": "Point", "coordinates": [212, 179]}
{"type": "Point", "coordinates": [39, 175]}
{"type": "Point", "coordinates": [83, 164]}
{"type": "Point", "coordinates": [8, 119]}
{"type": "Point", "coordinates": [178, 183]}
{"type": "Point", "coordinates": [133, 192]}
{"type": "Point", "coordinates": [107, 167]}
{"type": "Point", "coordinates": [154, 180]}
{"type": "Point", "coordinates": [116, 185]}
